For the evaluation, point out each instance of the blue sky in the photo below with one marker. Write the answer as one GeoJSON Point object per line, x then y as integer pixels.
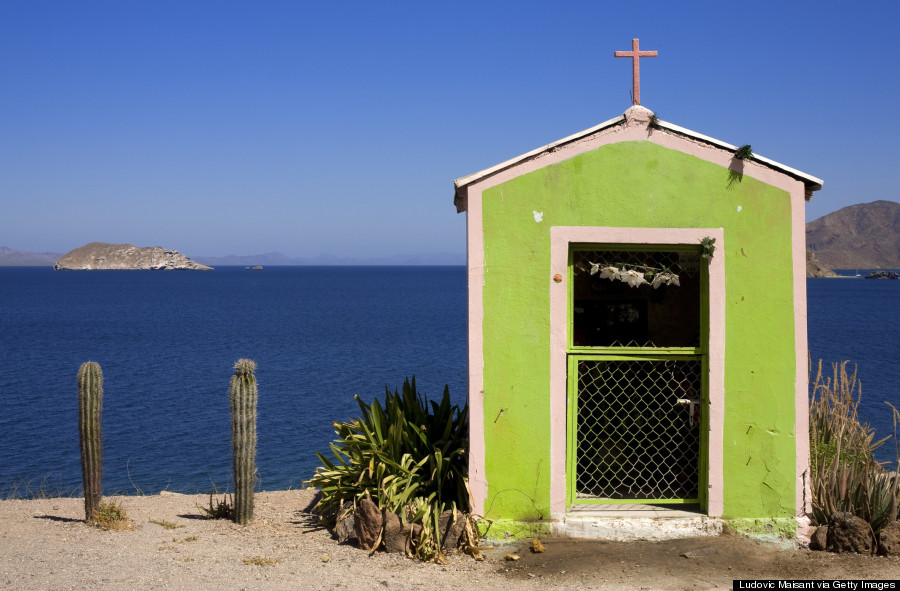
{"type": "Point", "coordinates": [338, 127]}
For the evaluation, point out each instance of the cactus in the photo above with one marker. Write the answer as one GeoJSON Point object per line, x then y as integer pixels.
{"type": "Point", "coordinates": [90, 403]}
{"type": "Point", "coordinates": [243, 397]}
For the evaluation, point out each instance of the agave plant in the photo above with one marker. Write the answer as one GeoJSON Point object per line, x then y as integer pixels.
{"type": "Point", "coordinates": [844, 473]}
{"type": "Point", "coordinates": [408, 456]}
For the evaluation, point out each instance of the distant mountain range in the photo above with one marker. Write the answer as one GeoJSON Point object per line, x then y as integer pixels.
{"type": "Point", "coordinates": [863, 236]}
{"type": "Point", "coordinates": [10, 257]}
{"type": "Point", "coordinates": [272, 259]}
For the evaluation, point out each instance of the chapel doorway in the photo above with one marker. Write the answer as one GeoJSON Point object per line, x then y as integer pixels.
{"type": "Point", "coordinates": [637, 367]}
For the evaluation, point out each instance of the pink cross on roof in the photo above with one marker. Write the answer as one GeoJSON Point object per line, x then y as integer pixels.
{"type": "Point", "coordinates": [636, 54]}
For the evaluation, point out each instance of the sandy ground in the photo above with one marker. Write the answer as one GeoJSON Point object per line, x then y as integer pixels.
{"type": "Point", "coordinates": [45, 545]}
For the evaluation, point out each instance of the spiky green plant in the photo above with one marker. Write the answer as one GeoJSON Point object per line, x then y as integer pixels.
{"type": "Point", "coordinates": [736, 171]}
{"type": "Point", "coordinates": [90, 405]}
{"type": "Point", "coordinates": [218, 509]}
{"type": "Point", "coordinates": [844, 474]}
{"type": "Point", "coordinates": [744, 152]}
{"type": "Point", "coordinates": [707, 248]}
{"type": "Point", "coordinates": [408, 456]}
{"type": "Point", "coordinates": [243, 396]}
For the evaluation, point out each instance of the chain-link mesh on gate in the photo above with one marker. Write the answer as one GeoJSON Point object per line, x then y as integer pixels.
{"type": "Point", "coordinates": [638, 429]}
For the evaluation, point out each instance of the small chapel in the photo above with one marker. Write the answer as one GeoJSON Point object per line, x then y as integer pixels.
{"type": "Point", "coordinates": [637, 349]}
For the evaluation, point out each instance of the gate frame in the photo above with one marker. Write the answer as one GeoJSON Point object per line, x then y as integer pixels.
{"type": "Point", "coordinates": [562, 239]}
{"type": "Point", "coordinates": [645, 354]}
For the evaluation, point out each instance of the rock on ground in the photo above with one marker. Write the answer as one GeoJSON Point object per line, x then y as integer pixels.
{"type": "Point", "coordinates": [368, 523]}
{"type": "Point", "coordinates": [451, 529]}
{"type": "Point", "coordinates": [819, 539]}
{"type": "Point", "coordinates": [848, 533]}
{"type": "Point", "coordinates": [889, 540]}
{"type": "Point", "coordinates": [393, 533]}
{"type": "Point", "coordinates": [345, 526]}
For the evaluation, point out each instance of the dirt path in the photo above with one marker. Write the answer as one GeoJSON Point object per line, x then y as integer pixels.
{"type": "Point", "coordinates": [44, 545]}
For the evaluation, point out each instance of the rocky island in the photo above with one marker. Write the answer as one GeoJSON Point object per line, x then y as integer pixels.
{"type": "Point", "coordinates": [883, 275]}
{"type": "Point", "coordinates": [125, 257]}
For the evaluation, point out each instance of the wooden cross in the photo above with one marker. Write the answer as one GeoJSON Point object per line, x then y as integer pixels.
{"type": "Point", "coordinates": [636, 54]}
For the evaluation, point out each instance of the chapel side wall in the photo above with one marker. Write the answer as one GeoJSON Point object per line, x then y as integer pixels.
{"type": "Point", "coordinates": [638, 184]}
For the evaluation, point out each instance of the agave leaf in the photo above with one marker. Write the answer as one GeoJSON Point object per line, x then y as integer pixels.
{"type": "Point", "coordinates": [339, 454]}
{"type": "Point", "coordinates": [378, 419]}
{"type": "Point", "coordinates": [322, 459]}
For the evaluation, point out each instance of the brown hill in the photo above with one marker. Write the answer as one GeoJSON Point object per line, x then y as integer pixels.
{"type": "Point", "coordinates": [863, 236]}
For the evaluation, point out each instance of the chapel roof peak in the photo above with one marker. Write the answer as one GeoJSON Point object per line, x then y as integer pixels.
{"type": "Point", "coordinates": [638, 118]}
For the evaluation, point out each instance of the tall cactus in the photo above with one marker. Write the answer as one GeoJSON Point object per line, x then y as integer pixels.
{"type": "Point", "coordinates": [243, 397]}
{"type": "Point", "coordinates": [90, 403]}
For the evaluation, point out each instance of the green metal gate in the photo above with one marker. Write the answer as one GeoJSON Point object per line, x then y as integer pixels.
{"type": "Point", "coordinates": [634, 426]}
{"type": "Point", "coordinates": [636, 412]}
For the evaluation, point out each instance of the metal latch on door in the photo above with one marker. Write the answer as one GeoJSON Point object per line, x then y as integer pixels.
{"type": "Point", "coordinates": [692, 402]}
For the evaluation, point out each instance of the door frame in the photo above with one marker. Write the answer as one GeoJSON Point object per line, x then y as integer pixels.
{"type": "Point", "coordinates": [562, 239]}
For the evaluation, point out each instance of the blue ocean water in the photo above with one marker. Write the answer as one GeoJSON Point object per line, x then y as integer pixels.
{"type": "Point", "coordinates": [167, 342]}
{"type": "Point", "coordinates": [319, 335]}
{"type": "Point", "coordinates": [858, 320]}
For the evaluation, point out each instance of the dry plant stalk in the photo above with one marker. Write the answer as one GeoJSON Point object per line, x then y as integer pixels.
{"type": "Point", "coordinates": [844, 473]}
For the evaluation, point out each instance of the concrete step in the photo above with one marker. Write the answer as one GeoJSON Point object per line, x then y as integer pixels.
{"type": "Point", "coordinates": [636, 522]}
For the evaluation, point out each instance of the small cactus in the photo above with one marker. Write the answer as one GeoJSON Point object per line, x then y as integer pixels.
{"type": "Point", "coordinates": [243, 397]}
{"type": "Point", "coordinates": [90, 403]}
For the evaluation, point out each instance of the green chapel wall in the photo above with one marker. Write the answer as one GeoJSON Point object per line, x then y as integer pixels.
{"type": "Point", "coordinates": [639, 184]}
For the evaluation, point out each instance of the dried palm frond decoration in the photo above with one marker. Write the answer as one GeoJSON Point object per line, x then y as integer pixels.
{"type": "Point", "coordinates": [635, 275]}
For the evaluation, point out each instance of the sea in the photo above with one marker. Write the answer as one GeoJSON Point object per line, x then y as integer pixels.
{"type": "Point", "coordinates": [320, 336]}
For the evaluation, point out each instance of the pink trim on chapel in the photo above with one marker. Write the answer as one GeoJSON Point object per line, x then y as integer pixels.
{"type": "Point", "coordinates": [634, 127]}
{"type": "Point", "coordinates": [561, 237]}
